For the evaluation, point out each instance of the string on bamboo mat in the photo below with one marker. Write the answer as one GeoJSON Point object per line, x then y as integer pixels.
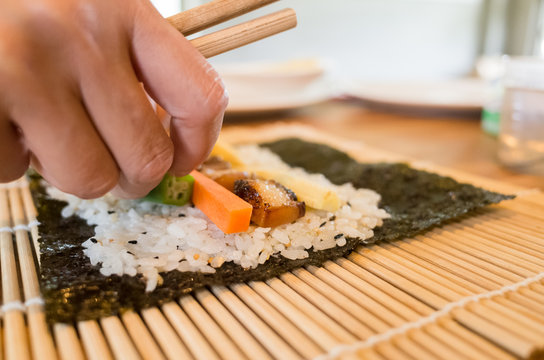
{"type": "Point", "coordinates": [27, 227]}
{"type": "Point", "coordinates": [339, 350]}
{"type": "Point", "coordinates": [12, 305]}
{"type": "Point", "coordinates": [19, 306]}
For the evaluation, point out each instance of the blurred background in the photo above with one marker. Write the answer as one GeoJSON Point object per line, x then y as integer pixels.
{"type": "Point", "coordinates": [391, 72]}
{"type": "Point", "coordinates": [396, 39]}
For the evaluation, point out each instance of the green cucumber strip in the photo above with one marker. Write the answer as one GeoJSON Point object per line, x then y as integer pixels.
{"type": "Point", "coordinates": [172, 190]}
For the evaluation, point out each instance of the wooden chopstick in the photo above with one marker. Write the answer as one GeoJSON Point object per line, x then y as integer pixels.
{"type": "Point", "coordinates": [245, 33]}
{"type": "Point", "coordinates": [212, 13]}
{"type": "Point", "coordinates": [218, 11]}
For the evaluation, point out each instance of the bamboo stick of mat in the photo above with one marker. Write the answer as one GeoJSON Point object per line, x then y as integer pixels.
{"type": "Point", "coordinates": [506, 305]}
{"type": "Point", "coordinates": [478, 276]}
{"type": "Point", "coordinates": [497, 307]}
{"type": "Point", "coordinates": [406, 348]}
{"type": "Point", "coordinates": [40, 334]}
{"type": "Point", "coordinates": [489, 256]}
{"type": "Point", "coordinates": [479, 342]}
{"type": "Point", "coordinates": [327, 307]}
{"type": "Point", "coordinates": [433, 282]}
{"type": "Point", "coordinates": [188, 332]}
{"type": "Point", "coordinates": [477, 235]}
{"type": "Point", "coordinates": [332, 294]}
{"type": "Point", "coordinates": [380, 309]}
{"type": "Point", "coordinates": [435, 243]}
{"type": "Point", "coordinates": [306, 325]}
{"type": "Point", "coordinates": [141, 336]}
{"type": "Point", "coordinates": [272, 341]}
{"type": "Point", "coordinates": [462, 285]}
{"type": "Point", "coordinates": [495, 354]}
{"type": "Point", "coordinates": [69, 346]}
{"type": "Point", "coordinates": [344, 327]}
{"type": "Point", "coordinates": [520, 348]}
{"type": "Point", "coordinates": [528, 209]}
{"type": "Point", "coordinates": [518, 329]}
{"type": "Point", "coordinates": [31, 216]}
{"type": "Point", "coordinates": [435, 345]}
{"type": "Point", "coordinates": [374, 286]}
{"type": "Point", "coordinates": [465, 349]}
{"type": "Point", "coordinates": [93, 340]}
{"type": "Point", "coordinates": [237, 332]}
{"type": "Point", "coordinates": [402, 350]}
{"type": "Point", "coordinates": [120, 343]}
{"type": "Point", "coordinates": [426, 338]}
{"type": "Point", "coordinates": [294, 336]}
{"type": "Point", "coordinates": [516, 218]}
{"type": "Point", "coordinates": [166, 336]}
{"type": "Point", "coordinates": [506, 230]}
{"type": "Point", "coordinates": [15, 342]}
{"type": "Point", "coordinates": [438, 346]}
{"type": "Point", "coordinates": [511, 221]}
{"type": "Point", "coordinates": [222, 343]}
{"type": "Point", "coordinates": [525, 264]}
{"type": "Point", "coordinates": [40, 338]}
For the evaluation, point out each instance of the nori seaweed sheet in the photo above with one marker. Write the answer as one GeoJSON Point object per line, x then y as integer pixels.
{"type": "Point", "coordinates": [75, 290]}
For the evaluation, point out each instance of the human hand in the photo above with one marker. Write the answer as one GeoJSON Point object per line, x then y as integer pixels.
{"type": "Point", "coordinates": [71, 102]}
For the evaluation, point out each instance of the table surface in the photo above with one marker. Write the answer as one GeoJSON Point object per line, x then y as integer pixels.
{"type": "Point", "coordinates": [455, 141]}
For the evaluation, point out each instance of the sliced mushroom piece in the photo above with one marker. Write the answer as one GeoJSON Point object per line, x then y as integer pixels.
{"type": "Point", "coordinates": [229, 177]}
{"type": "Point", "coordinates": [273, 204]}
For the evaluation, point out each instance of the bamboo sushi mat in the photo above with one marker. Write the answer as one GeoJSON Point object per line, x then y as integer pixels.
{"type": "Point", "coordinates": [472, 289]}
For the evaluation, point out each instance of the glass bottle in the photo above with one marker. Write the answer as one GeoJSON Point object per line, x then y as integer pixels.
{"type": "Point", "coordinates": [521, 137]}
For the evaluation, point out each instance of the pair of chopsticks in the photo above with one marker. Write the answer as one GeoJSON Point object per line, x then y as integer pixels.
{"type": "Point", "coordinates": [218, 11]}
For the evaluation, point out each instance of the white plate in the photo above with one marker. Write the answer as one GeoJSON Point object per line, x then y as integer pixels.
{"type": "Point", "coordinates": [257, 102]}
{"type": "Point", "coordinates": [271, 87]}
{"type": "Point", "coordinates": [459, 94]}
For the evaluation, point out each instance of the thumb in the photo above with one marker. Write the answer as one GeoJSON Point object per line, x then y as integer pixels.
{"type": "Point", "coordinates": [181, 81]}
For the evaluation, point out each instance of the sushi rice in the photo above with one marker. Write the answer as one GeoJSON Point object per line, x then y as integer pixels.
{"type": "Point", "coordinates": [138, 237]}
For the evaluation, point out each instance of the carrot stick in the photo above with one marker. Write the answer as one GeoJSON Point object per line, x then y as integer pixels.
{"type": "Point", "coordinates": [226, 210]}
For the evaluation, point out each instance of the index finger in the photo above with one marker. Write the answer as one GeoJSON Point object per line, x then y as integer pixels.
{"type": "Point", "coordinates": [180, 79]}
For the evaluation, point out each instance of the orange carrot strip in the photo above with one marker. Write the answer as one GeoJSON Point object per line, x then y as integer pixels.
{"type": "Point", "coordinates": [230, 213]}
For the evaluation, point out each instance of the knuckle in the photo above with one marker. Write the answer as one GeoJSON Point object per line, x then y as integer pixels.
{"type": "Point", "coordinates": [150, 167]}
{"type": "Point", "coordinates": [45, 24]}
{"type": "Point", "coordinates": [96, 186]}
{"type": "Point", "coordinates": [91, 181]}
{"type": "Point", "coordinates": [43, 16]}
{"type": "Point", "coordinates": [15, 54]}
